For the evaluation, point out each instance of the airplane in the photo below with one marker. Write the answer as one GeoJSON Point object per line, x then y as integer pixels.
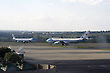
{"type": "Point", "coordinates": [66, 41]}
{"type": "Point", "coordinates": [20, 51]}
{"type": "Point", "coordinates": [24, 40]}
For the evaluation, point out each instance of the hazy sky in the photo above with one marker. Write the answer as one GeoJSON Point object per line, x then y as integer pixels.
{"type": "Point", "coordinates": [55, 15]}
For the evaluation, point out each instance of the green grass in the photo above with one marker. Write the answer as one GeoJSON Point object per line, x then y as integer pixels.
{"type": "Point", "coordinates": [105, 49]}
{"type": "Point", "coordinates": [78, 45]}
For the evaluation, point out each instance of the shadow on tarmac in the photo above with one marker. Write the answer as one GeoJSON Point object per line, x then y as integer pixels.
{"type": "Point", "coordinates": [83, 66]}
{"type": "Point", "coordinates": [78, 66]}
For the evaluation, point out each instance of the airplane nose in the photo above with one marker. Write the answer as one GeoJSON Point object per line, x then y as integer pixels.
{"type": "Point", "coordinates": [48, 40]}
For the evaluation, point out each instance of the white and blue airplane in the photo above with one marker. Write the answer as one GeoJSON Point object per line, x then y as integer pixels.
{"type": "Point", "coordinates": [24, 40]}
{"type": "Point", "coordinates": [66, 41]}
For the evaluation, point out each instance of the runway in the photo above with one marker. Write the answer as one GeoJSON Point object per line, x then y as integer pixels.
{"type": "Point", "coordinates": [66, 54]}
{"type": "Point", "coordinates": [70, 60]}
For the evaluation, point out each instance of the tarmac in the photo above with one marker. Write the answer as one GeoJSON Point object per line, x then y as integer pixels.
{"type": "Point", "coordinates": [70, 60]}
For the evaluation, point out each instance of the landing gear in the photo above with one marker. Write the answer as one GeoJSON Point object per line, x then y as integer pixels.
{"type": "Point", "coordinates": [64, 44]}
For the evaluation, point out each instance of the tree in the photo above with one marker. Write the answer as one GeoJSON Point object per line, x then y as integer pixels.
{"type": "Point", "coordinates": [8, 56]}
{"type": "Point", "coordinates": [4, 50]}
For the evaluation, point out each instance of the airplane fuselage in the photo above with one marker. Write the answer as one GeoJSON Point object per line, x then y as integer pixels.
{"type": "Point", "coordinates": [23, 39]}
{"type": "Point", "coordinates": [68, 40]}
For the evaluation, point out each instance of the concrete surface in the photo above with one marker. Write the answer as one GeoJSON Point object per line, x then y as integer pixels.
{"type": "Point", "coordinates": [70, 60]}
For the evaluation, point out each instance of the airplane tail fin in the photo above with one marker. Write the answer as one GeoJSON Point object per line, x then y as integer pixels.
{"type": "Point", "coordinates": [85, 35]}
{"type": "Point", "coordinates": [13, 36]}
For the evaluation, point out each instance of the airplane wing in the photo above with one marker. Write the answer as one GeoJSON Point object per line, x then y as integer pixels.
{"type": "Point", "coordinates": [57, 42]}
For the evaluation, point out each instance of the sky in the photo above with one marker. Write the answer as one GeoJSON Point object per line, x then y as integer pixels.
{"type": "Point", "coordinates": [55, 15]}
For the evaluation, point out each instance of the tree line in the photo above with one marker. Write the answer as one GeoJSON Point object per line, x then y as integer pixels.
{"type": "Point", "coordinates": [97, 36]}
